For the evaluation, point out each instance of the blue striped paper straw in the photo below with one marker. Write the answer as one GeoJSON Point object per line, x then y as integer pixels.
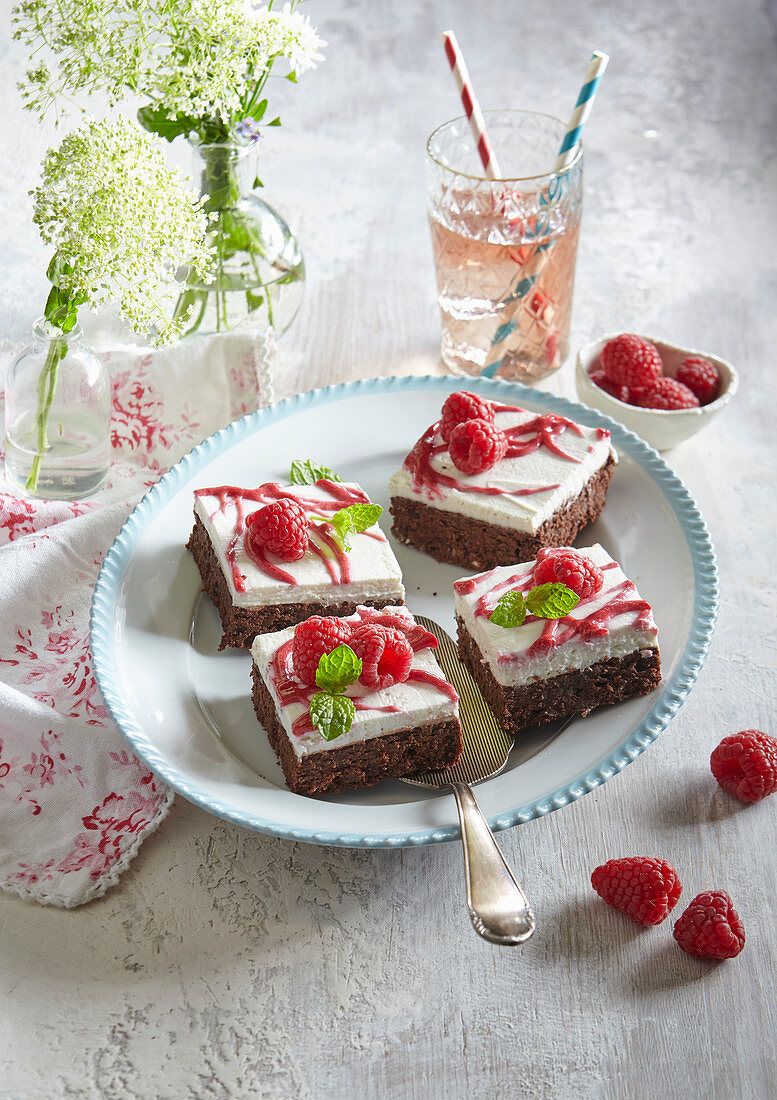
{"type": "Point", "coordinates": [585, 101]}
{"type": "Point", "coordinates": [566, 155]}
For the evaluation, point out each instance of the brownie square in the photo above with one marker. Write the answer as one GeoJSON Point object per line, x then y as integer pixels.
{"type": "Point", "coordinates": [403, 729]}
{"type": "Point", "coordinates": [605, 650]}
{"type": "Point", "coordinates": [551, 483]}
{"type": "Point", "coordinates": [254, 596]}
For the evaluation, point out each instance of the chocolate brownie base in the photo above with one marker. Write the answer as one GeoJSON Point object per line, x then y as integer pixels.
{"type": "Point", "coordinates": [576, 692]}
{"type": "Point", "coordinates": [419, 749]}
{"type": "Point", "coordinates": [242, 624]}
{"type": "Point", "coordinates": [474, 544]}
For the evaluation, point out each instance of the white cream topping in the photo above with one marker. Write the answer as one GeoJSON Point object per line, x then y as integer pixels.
{"type": "Point", "coordinates": [417, 703]}
{"type": "Point", "coordinates": [537, 469]}
{"type": "Point", "coordinates": [506, 650]}
{"type": "Point", "coordinates": [375, 572]}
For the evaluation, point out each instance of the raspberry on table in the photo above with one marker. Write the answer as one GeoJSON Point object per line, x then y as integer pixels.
{"type": "Point", "coordinates": [463, 406]}
{"type": "Point", "coordinates": [701, 377]}
{"type": "Point", "coordinates": [644, 889]}
{"type": "Point", "coordinates": [386, 655]}
{"type": "Point", "coordinates": [476, 445]}
{"type": "Point", "coordinates": [281, 528]}
{"type": "Point", "coordinates": [745, 765]}
{"type": "Point", "coordinates": [317, 635]}
{"type": "Point", "coordinates": [615, 389]}
{"type": "Point", "coordinates": [630, 361]}
{"type": "Point", "coordinates": [710, 927]}
{"type": "Point", "coordinates": [564, 566]}
{"type": "Point", "coordinates": [667, 394]}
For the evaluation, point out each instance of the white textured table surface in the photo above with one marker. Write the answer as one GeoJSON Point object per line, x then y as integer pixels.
{"type": "Point", "coordinates": [229, 964]}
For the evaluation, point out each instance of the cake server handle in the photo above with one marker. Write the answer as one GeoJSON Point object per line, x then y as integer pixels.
{"type": "Point", "coordinates": [497, 904]}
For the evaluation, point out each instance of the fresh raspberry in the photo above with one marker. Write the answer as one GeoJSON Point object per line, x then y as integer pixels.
{"type": "Point", "coordinates": [316, 636]}
{"type": "Point", "coordinates": [710, 927]}
{"type": "Point", "coordinates": [615, 389]}
{"type": "Point", "coordinates": [631, 361]}
{"type": "Point", "coordinates": [567, 567]}
{"type": "Point", "coordinates": [745, 765]}
{"type": "Point", "coordinates": [644, 889]}
{"type": "Point", "coordinates": [386, 655]}
{"type": "Point", "coordinates": [463, 406]}
{"type": "Point", "coordinates": [665, 394]}
{"type": "Point", "coordinates": [476, 445]}
{"type": "Point", "coordinates": [281, 528]}
{"type": "Point", "coordinates": [701, 377]}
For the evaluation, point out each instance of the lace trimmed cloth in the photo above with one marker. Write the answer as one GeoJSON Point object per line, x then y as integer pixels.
{"type": "Point", "coordinates": [75, 802]}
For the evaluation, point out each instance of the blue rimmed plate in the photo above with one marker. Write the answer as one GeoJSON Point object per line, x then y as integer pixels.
{"type": "Point", "coordinates": [185, 708]}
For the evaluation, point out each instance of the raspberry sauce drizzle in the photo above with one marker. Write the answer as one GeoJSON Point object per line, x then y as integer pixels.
{"type": "Point", "coordinates": [543, 431]}
{"type": "Point", "coordinates": [421, 676]}
{"type": "Point", "coordinates": [342, 496]}
{"type": "Point", "coordinates": [557, 632]}
{"type": "Point", "coordinates": [290, 691]}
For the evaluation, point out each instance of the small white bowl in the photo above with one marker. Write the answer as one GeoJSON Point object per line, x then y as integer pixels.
{"type": "Point", "coordinates": [661, 428]}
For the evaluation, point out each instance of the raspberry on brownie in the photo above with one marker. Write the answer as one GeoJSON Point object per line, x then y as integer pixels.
{"type": "Point", "coordinates": [490, 484]}
{"type": "Point", "coordinates": [404, 712]}
{"type": "Point", "coordinates": [271, 556]}
{"type": "Point", "coordinates": [603, 650]}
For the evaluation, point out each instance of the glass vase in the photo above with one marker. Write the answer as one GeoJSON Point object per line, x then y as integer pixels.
{"type": "Point", "coordinates": [259, 270]}
{"type": "Point", "coordinates": [57, 417]}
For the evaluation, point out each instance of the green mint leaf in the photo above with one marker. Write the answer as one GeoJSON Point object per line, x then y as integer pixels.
{"type": "Point", "coordinates": [551, 601]}
{"type": "Point", "coordinates": [332, 715]}
{"type": "Point", "coordinates": [354, 519]}
{"type": "Point", "coordinates": [338, 669]}
{"type": "Point", "coordinates": [510, 610]}
{"type": "Point", "coordinates": [308, 473]}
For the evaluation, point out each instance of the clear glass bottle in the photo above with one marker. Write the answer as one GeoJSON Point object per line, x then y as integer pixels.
{"type": "Point", "coordinates": [57, 417]}
{"type": "Point", "coordinates": [260, 272]}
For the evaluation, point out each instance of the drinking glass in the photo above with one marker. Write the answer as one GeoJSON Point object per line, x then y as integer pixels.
{"type": "Point", "coordinates": [504, 249]}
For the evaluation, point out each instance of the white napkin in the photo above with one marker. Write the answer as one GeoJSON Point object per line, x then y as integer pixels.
{"type": "Point", "coordinates": [75, 803]}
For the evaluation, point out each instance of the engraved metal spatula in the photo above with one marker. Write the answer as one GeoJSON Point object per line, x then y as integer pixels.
{"type": "Point", "coordinates": [497, 905]}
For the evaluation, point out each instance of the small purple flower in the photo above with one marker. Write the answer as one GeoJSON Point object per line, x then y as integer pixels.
{"type": "Point", "coordinates": [248, 129]}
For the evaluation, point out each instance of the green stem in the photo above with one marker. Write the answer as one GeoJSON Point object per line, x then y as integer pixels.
{"type": "Point", "coordinates": [47, 388]}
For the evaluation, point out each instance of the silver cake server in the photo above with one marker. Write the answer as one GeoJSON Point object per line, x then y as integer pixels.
{"type": "Point", "coordinates": [497, 905]}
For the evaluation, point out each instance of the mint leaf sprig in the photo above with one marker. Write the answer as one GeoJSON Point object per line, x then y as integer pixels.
{"type": "Point", "coordinates": [307, 472]}
{"type": "Point", "coordinates": [352, 521]}
{"type": "Point", "coordinates": [545, 601]}
{"type": "Point", "coordinates": [331, 712]}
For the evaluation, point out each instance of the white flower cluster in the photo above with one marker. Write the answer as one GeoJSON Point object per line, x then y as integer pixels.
{"type": "Point", "coordinates": [201, 58]}
{"type": "Point", "coordinates": [121, 224]}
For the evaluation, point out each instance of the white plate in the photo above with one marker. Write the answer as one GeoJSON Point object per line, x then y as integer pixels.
{"type": "Point", "coordinates": [186, 709]}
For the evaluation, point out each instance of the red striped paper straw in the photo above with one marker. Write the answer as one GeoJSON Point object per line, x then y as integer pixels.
{"type": "Point", "coordinates": [471, 106]}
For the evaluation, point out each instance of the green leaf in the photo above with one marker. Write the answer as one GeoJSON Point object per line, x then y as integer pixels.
{"type": "Point", "coordinates": [275, 122]}
{"type": "Point", "coordinates": [157, 121]}
{"type": "Point", "coordinates": [354, 519]}
{"type": "Point", "coordinates": [292, 77]}
{"type": "Point", "coordinates": [510, 610]}
{"type": "Point", "coordinates": [338, 669]}
{"type": "Point", "coordinates": [332, 715]}
{"type": "Point", "coordinates": [306, 472]}
{"type": "Point", "coordinates": [257, 182]}
{"type": "Point", "coordinates": [257, 112]}
{"type": "Point", "coordinates": [551, 601]}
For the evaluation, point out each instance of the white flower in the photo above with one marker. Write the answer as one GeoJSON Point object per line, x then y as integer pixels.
{"type": "Point", "coordinates": [207, 59]}
{"type": "Point", "coordinates": [121, 224]}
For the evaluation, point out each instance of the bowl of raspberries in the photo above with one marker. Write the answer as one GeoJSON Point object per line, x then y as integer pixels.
{"type": "Point", "coordinates": [662, 392]}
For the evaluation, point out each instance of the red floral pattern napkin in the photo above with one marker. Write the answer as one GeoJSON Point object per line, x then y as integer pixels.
{"type": "Point", "coordinates": [75, 802]}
